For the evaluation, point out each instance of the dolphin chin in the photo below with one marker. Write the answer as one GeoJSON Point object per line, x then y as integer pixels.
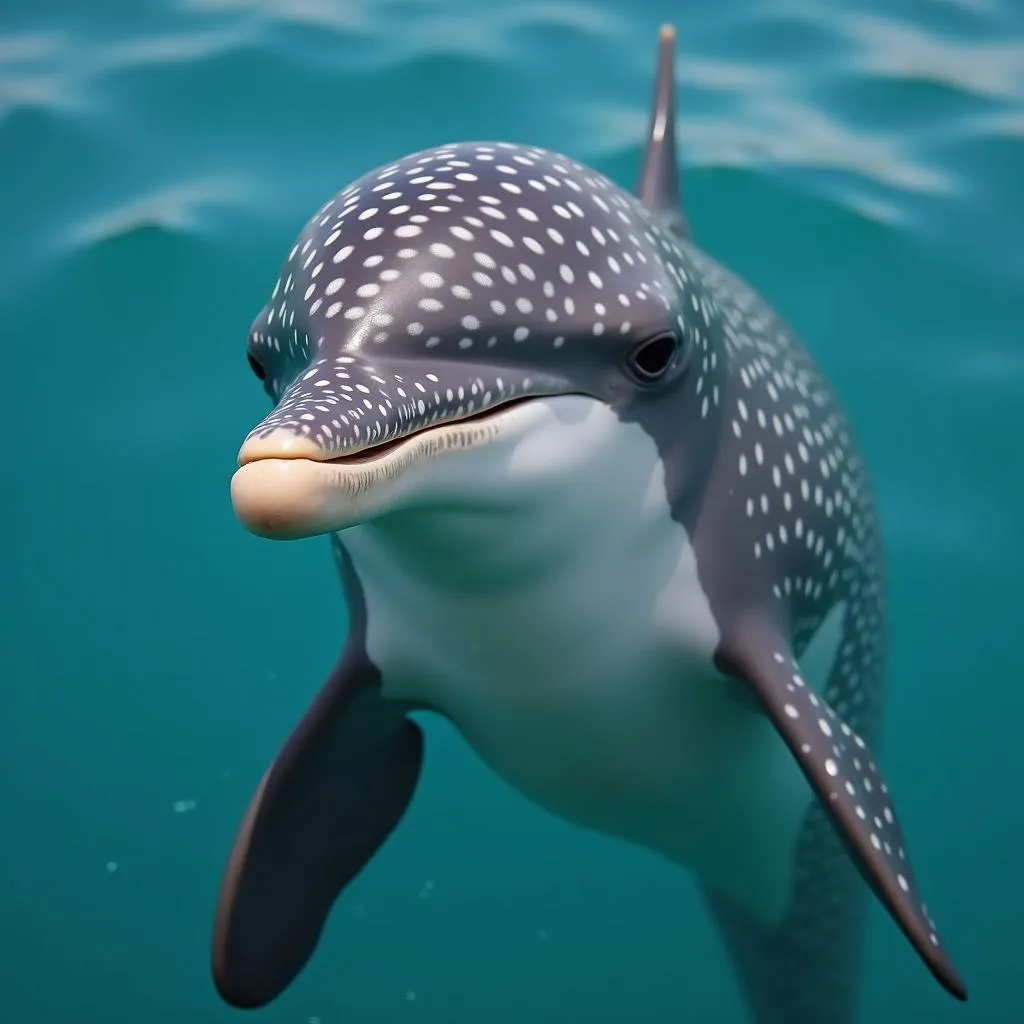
{"type": "Point", "coordinates": [282, 491]}
{"type": "Point", "coordinates": [285, 499]}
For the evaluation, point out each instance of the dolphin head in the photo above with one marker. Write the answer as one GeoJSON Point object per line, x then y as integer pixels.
{"type": "Point", "coordinates": [425, 306]}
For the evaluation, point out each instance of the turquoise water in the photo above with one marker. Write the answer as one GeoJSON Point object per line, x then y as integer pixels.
{"type": "Point", "coordinates": [860, 163]}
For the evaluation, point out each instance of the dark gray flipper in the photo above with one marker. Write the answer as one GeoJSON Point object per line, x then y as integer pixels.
{"type": "Point", "coordinates": [843, 774]}
{"type": "Point", "coordinates": [659, 189]}
{"type": "Point", "coordinates": [333, 795]}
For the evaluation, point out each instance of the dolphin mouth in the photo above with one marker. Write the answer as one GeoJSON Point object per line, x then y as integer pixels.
{"type": "Point", "coordinates": [378, 451]}
{"type": "Point", "coordinates": [286, 491]}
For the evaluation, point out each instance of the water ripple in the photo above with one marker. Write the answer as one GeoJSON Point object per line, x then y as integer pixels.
{"type": "Point", "coordinates": [182, 207]}
{"type": "Point", "coordinates": [993, 69]}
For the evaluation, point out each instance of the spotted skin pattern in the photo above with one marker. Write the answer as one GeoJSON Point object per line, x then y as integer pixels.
{"type": "Point", "coordinates": [522, 263]}
{"type": "Point", "coordinates": [459, 279]}
{"type": "Point", "coordinates": [808, 517]}
{"type": "Point", "coordinates": [787, 525]}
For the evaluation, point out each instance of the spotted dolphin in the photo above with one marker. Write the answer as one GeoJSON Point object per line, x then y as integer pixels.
{"type": "Point", "coordinates": [592, 501]}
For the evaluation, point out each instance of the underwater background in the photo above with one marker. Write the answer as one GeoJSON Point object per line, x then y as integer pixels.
{"type": "Point", "coordinates": [860, 162]}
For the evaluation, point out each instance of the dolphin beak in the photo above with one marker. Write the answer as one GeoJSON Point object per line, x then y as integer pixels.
{"type": "Point", "coordinates": [289, 486]}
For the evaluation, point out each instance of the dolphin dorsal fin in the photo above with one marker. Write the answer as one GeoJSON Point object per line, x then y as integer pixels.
{"type": "Point", "coordinates": [659, 189]}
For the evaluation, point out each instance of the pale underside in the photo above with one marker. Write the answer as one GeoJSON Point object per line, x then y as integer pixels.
{"type": "Point", "coordinates": [569, 639]}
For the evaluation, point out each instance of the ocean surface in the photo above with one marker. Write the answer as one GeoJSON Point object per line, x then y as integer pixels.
{"type": "Point", "coordinates": [861, 163]}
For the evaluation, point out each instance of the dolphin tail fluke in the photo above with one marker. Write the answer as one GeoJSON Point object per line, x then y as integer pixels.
{"type": "Point", "coordinates": [337, 789]}
{"type": "Point", "coordinates": [806, 970]}
{"type": "Point", "coordinates": [659, 187]}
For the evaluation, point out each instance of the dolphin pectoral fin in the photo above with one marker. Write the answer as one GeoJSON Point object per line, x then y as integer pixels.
{"type": "Point", "coordinates": [845, 777]}
{"type": "Point", "coordinates": [335, 792]}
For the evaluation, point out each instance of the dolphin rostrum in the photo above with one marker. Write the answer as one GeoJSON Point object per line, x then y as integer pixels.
{"type": "Point", "coordinates": [592, 501]}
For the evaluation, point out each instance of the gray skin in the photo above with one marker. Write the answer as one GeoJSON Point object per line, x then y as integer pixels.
{"type": "Point", "coordinates": [761, 470]}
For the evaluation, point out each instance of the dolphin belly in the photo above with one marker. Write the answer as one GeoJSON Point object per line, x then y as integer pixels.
{"type": "Point", "coordinates": [589, 684]}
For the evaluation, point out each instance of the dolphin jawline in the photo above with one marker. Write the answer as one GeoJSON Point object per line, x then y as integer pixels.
{"type": "Point", "coordinates": [377, 451]}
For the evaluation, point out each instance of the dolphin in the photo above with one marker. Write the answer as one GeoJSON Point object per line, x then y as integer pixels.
{"type": "Point", "coordinates": [591, 500]}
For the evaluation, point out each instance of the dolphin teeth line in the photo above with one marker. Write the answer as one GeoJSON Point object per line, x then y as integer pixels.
{"type": "Point", "coordinates": [376, 451]}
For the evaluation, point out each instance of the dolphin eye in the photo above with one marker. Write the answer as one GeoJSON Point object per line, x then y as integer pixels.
{"type": "Point", "coordinates": [651, 359]}
{"type": "Point", "coordinates": [256, 366]}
